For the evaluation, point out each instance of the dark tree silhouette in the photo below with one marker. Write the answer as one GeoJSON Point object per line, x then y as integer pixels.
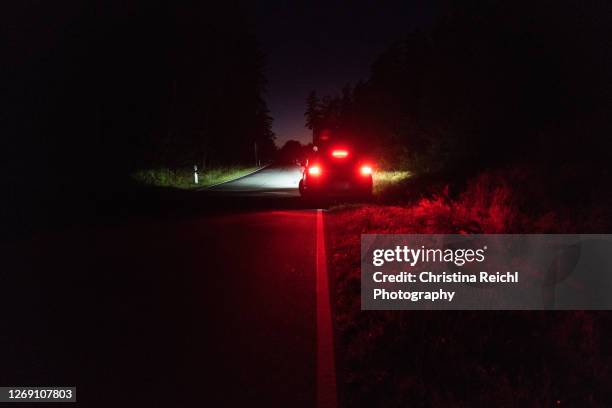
{"type": "Point", "coordinates": [313, 113]}
{"type": "Point", "coordinates": [291, 151]}
{"type": "Point", "coordinates": [92, 91]}
{"type": "Point", "coordinates": [115, 86]}
{"type": "Point", "coordinates": [489, 84]}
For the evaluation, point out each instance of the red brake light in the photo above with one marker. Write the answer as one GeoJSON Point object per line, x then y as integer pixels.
{"type": "Point", "coordinates": [339, 154]}
{"type": "Point", "coordinates": [365, 170]}
{"type": "Point", "coordinates": [314, 170]}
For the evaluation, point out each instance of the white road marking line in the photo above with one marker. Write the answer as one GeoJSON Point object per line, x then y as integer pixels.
{"type": "Point", "coordinates": [326, 364]}
{"type": "Point", "coordinates": [210, 187]}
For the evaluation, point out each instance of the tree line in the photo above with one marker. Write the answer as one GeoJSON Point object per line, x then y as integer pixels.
{"type": "Point", "coordinates": [95, 90]}
{"type": "Point", "coordinates": [491, 83]}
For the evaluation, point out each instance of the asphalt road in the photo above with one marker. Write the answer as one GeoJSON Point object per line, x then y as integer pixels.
{"type": "Point", "coordinates": [217, 308]}
{"type": "Point", "coordinates": [279, 181]}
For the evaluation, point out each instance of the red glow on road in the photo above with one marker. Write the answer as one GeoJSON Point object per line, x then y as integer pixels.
{"type": "Point", "coordinates": [326, 368]}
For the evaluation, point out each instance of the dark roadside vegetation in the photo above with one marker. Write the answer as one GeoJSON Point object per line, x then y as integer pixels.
{"type": "Point", "coordinates": [502, 115]}
{"type": "Point", "coordinates": [95, 93]}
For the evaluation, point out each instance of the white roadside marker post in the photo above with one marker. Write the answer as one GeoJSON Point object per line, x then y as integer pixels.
{"type": "Point", "coordinates": [195, 173]}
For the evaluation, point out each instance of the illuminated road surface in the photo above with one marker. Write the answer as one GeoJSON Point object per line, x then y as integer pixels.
{"type": "Point", "coordinates": [276, 180]}
{"type": "Point", "coordinates": [200, 310]}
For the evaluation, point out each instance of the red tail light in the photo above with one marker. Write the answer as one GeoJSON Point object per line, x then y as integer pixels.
{"type": "Point", "coordinates": [314, 170]}
{"type": "Point", "coordinates": [339, 154]}
{"type": "Point", "coordinates": [365, 170]}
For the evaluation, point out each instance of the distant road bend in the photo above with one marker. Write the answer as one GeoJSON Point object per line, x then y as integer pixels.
{"type": "Point", "coordinates": [274, 179]}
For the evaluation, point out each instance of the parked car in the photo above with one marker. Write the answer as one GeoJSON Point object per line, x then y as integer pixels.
{"type": "Point", "coordinates": [337, 171]}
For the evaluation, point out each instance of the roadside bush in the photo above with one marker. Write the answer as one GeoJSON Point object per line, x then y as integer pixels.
{"type": "Point", "coordinates": [422, 359]}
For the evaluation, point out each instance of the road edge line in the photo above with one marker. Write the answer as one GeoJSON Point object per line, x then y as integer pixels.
{"type": "Point", "coordinates": [234, 179]}
{"type": "Point", "coordinates": [326, 363]}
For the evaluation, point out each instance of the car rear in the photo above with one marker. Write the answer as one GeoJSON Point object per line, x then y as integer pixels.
{"type": "Point", "coordinates": [337, 172]}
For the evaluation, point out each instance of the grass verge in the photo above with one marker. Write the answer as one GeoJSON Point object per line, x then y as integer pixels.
{"type": "Point", "coordinates": [183, 178]}
{"type": "Point", "coordinates": [465, 358]}
{"type": "Point", "coordinates": [385, 180]}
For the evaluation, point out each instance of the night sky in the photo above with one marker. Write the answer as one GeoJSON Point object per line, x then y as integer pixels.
{"type": "Point", "coordinates": [323, 46]}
